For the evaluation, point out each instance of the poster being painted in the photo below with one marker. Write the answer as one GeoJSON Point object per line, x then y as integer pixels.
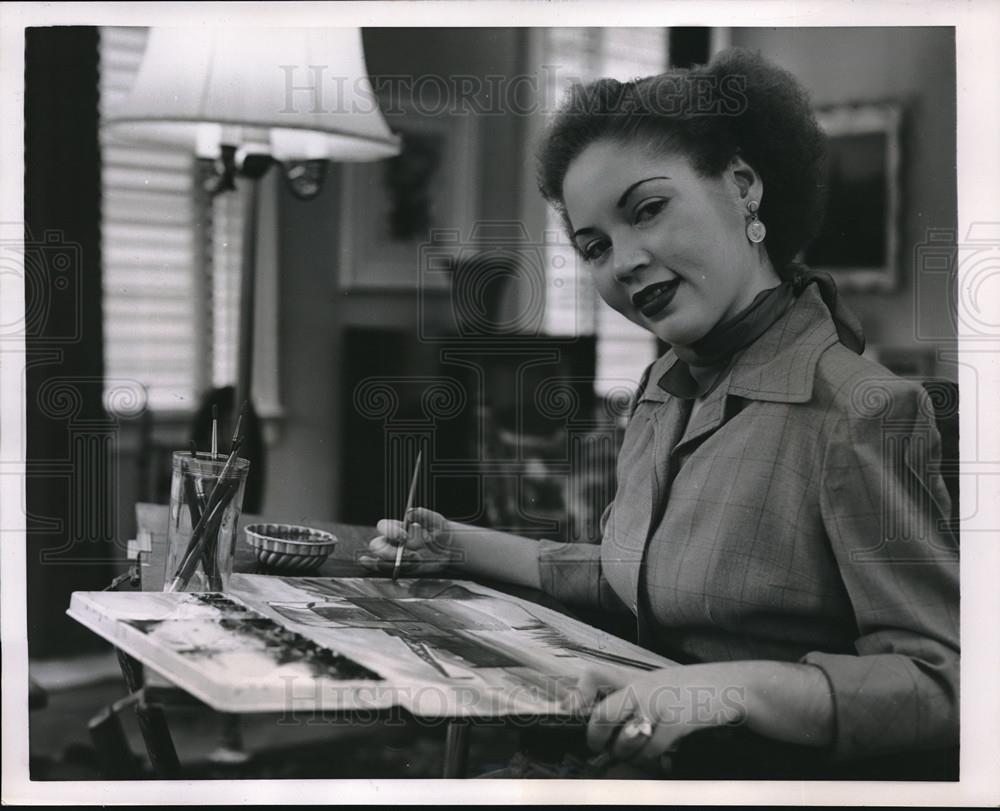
{"type": "Point", "coordinates": [435, 647]}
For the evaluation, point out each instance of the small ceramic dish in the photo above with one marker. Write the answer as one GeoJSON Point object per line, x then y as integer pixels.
{"type": "Point", "coordinates": [289, 548]}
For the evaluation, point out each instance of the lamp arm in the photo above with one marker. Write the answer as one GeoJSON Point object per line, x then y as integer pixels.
{"type": "Point", "coordinates": [248, 284]}
{"type": "Point", "coordinates": [305, 180]}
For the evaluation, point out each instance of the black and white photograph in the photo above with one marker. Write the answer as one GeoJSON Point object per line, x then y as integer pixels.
{"type": "Point", "coordinates": [402, 395]}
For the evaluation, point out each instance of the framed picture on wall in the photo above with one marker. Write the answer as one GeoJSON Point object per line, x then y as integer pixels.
{"type": "Point", "coordinates": [859, 242]}
{"type": "Point", "coordinates": [391, 209]}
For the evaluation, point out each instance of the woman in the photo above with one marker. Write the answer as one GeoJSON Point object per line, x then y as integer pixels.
{"type": "Point", "coordinates": [779, 519]}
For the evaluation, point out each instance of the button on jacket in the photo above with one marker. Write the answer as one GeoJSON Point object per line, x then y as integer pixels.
{"type": "Point", "coordinates": [798, 515]}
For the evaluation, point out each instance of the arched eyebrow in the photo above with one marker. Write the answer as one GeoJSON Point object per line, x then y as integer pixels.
{"type": "Point", "coordinates": [622, 200]}
{"type": "Point", "coordinates": [634, 186]}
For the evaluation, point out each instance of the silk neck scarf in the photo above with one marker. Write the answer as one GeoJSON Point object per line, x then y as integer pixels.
{"type": "Point", "coordinates": [702, 364]}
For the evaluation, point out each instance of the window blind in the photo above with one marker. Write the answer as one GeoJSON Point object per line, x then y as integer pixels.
{"type": "Point", "coordinates": [155, 270]}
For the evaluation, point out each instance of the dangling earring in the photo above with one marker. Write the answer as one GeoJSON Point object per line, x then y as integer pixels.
{"type": "Point", "coordinates": [755, 228]}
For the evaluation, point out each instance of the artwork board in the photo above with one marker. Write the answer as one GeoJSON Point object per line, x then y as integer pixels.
{"type": "Point", "coordinates": [438, 648]}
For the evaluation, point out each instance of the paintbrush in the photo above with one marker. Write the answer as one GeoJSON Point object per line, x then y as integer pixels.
{"type": "Point", "coordinates": [216, 502]}
{"type": "Point", "coordinates": [193, 492]}
{"type": "Point", "coordinates": [215, 432]}
{"type": "Point", "coordinates": [409, 506]}
{"type": "Point", "coordinates": [214, 507]}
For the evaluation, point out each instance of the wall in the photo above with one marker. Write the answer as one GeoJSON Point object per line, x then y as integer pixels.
{"type": "Point", "coordinates": [304, 465]}
{"type": "Point", "coordinates": [915, 66]}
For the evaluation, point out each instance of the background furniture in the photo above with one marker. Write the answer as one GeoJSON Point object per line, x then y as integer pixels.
{"type": "Point", "coordinates": [513, 434]}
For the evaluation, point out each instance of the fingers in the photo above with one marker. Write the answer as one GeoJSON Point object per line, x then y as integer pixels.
{"type": "Point", "coordinates": [410, 567]}
{"type": "Point", "coordinates": [412, 531]}
{"type": "Point", "coordinates": [381, 552]}
{"type": "Point", "coordinates": [391, 528]}
{"type": "Point", "coordinates": [381, 547]}
{"type": "Point", "coordinates": [608, 717]}
{"type": "Point", "coordinates": [592, 686]}
{"type": "Point", "coordinates": [417, 537]}
{"type": "Point", "coordinates": [425, 517]}
{"type": "Point", "coordinates": [657, 752]}
{"type": "Point", "coordinates": [622, 731]}
{"type": "Point", "coordinates": [386, 565]}
{"type": "Point", "coordinates": [375, 564]}
{"type": "Point", "coordinates": [384, 546]}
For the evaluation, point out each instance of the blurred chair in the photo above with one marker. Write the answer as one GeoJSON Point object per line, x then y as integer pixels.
{"type": "Point", "coordinates": [154, 459]}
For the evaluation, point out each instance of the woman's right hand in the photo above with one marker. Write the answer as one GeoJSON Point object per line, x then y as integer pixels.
{"type": "Point", "coordinates": [429, 544]}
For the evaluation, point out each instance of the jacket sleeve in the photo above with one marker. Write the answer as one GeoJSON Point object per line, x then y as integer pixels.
{"type": "Point", "coordinates": [885, 508]}
{"type": "Point", "coordinates": [571, 572]}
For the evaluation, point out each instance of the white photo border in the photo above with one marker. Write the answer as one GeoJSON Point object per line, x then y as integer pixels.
{"type": "Point", "coordinates": [977, 24]}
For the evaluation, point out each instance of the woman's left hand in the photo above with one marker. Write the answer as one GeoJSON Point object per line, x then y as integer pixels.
{"type": "Point", "coordinates": [645, 719]}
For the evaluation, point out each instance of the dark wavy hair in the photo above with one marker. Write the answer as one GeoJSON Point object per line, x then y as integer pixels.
{"type": "Point", "coordinates": [740, 104]}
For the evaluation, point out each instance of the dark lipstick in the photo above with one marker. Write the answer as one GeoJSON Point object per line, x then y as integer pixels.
{"type": "Point", "coordinates": [653, 298]}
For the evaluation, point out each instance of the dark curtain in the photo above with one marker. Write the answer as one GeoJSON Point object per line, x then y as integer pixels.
{"type": "Point", "coordinates": [69, 438]}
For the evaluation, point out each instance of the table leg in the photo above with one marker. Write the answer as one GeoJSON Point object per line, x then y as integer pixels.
{"type": "Point", "coordinates": [106, 733]}
{"type": "Point", "coordinates": [159, 744]}
{"type": "Point", "coordinates": [230, 749]}
{"type": "Point", "coordinates": [152, 723]}
{"type": "Point", "coordinates": [131, 671]}
{"type": "Point", "coordinates": [456, 748]}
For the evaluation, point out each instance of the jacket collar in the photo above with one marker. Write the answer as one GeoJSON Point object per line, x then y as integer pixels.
{"type": "Point", "coordinates": [779, 366]}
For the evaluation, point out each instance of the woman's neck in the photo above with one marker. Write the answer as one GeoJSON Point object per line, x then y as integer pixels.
{"type": "Point", "coordinates": [762, 276]}
{"type": "Point", "coordinates": [714, 349]}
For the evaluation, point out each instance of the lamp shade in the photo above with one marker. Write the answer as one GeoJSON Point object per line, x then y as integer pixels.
{"type": "Point", "coordinates": [292, 93]}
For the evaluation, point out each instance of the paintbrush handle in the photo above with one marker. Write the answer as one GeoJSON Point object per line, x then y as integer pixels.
{"type": "Point", "coordinates": [190, 562]}
{"type": "Point", "coordinates": [194, 502]}
{"type": "Point", "coordinates": [409, 506]}
{"type": "Point", "coordinates": [399, 558]}
{"type": "Point", "coordinates": [215, 498]}
{"type": "Point", "coordinates": [200, 545]}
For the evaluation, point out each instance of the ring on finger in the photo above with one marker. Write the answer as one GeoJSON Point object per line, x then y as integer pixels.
{"type": "Point", "coordinates": [636, 729]}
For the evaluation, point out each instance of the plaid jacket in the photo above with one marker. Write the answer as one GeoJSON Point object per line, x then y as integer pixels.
{"type": "Point", "coordinates": [800, 516]}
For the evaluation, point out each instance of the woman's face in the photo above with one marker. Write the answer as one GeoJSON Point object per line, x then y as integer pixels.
{"type": "Point", "coordinates": [667, 248]}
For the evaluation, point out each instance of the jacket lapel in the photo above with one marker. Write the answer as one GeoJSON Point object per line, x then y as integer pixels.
{"type": "Point", "coordinates": [778, 367]}
{"type": "Point", "coordinates": [668, 429]}
{"type": "Point", "coordinates": [709, 416]}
